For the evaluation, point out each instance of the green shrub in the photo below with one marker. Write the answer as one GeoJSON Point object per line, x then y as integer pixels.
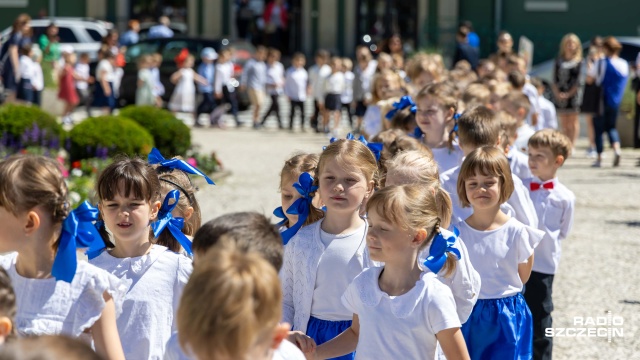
{"type": "Point", "coordinates": [106, 136]}
{"type": "Point", "coordinates": [628, 105]}
{"type": "Point", "coordinates": [22, 126]}
{"type": "Point", "coordinates": [171, 135]}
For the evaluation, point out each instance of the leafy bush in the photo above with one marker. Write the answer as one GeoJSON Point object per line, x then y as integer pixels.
{"type": "Point", "coordinates": [22, 126]}
{"type": "Point", "coordinates": [628, 105]}
{"type": "Point", "coordinates": [171, 135]}
{"type": "Point", "coordinates": [106, 136]}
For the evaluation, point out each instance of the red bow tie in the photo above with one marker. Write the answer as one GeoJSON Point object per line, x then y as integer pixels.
{"type": "Point", "coordinates": [536, 186]}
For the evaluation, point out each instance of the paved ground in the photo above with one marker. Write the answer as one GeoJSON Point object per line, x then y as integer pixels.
{"type": "Point", "coordinates": [598, 272]}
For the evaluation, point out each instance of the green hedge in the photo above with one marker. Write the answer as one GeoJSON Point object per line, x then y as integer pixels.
{"type": "Point", "coordinates": [109, 136]}
{"type": "Point", "coordinates": [29, 125]}
{"type": "Point", "coordinates": [172, 137]}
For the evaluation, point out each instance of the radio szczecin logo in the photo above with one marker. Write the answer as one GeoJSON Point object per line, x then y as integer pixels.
{"type": "Point", "coordinates": [601, 326]}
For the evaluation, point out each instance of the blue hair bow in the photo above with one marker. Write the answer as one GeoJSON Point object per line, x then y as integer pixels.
{"type": "Point", "coordinates": [440, 246]}
{"type": "Point", "coordinates": [417, 133]}
{"type": "Point", "coordinates": [167, 221]}
{"type": "Point", "coordinates": [300, 207]}
{"type": "Point", "coordinates": [376, 148]}
{"type": "Point", "coordinates": [404, 102]}
{"type": "Point", "coordinates": [78, 231]}
{"type": "Point", "coordinates": [156, 158]}
{"type": "Point", "coordinates": [456, 116]}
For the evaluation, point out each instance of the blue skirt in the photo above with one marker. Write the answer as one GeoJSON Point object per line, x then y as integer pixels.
{"type": "Point", "coordinates": [500, 329]}
{"type": "Point", "coordinates": [322, 331]}
{"type": "Point", "coordinates": [102, 100]}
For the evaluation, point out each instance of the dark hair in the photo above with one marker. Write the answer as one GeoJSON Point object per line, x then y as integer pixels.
{"type": "Point", "coordinates": [250, 231]}
{"type": "Point", "coordinates": [404, 120]}
{"type": "Point", "coordinates": [48, 347]}
{"type": "Point", "coordinates": [25, 49]}
{"type": "Point", "coordinates": [323, 54]}
{"type": "Point", "coordinates": [127, 177]}
{"type": "Point", "coordinates": [596, 41]}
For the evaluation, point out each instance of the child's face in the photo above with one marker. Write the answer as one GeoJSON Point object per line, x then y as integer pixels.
{"type": "Point", "coordinates": [387, 87]}
{"type": "Point", "coordinates": [543, 163]}
{"type": "Point", "coordinates": [299, 62]}
{"type": "Point", "coordinates": [388, 242]}
{"type": "Point", "coordinates": [422, 80]}
{"type": "Point", "coordinates": [12, 230]}
{"type": "Point", "coordinates": [128, 218]}
{"type": "Point", "coordinates": [319, 60]}
{"type": "Point", "coordinates": [343, 190]}
{"type": "Point", "coordinates": [431, 116]}
{"type": "Point", "coordinates": [483, 192]}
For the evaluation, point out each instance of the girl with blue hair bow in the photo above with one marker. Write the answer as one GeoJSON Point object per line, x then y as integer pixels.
{"type": "Point", "coordinates": [400, 302]}
{"type": "Point", "coordinates": [55, 293]}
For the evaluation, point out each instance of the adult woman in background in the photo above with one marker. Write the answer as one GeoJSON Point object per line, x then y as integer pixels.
{"type": "Point", "coordinates": [50, 46]}
{"type": "Point", "coordinates": [612, 73]}
{"type": "Point", "coordinates": [19, 36]}
{"type": "Point", "coordinates": [566, 85]}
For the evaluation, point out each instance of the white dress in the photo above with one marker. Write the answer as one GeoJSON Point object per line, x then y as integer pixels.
{"type": "Point", "coordinates": [155, 282]}
{"type": "Point", "coordinates": [404, 326]}
{"type": "Point", "coordinates": [50, 307]}
{"type": "Point", "coordinates": [184, 95]}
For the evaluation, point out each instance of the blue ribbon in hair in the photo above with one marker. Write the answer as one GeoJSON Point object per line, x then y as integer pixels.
{"type": "Point", "coordinates": [167, 221]}
{"type": "Point", "coordinates": [404, 102]}
{"type": "Point", "coordinates": [417, 133]}
{"type": "Point", "coordinates": [440, 246]}
{"type": "Point", "coordinates": [78, 231]}
{"type": "Point", "coordinates": [300, 207]}
{"type": "Point", "coordinates": [376, 148]}
{"type": "Point", "coordinates": [456, 116]}
{"type": "Point", "coordinates": [156, 158]}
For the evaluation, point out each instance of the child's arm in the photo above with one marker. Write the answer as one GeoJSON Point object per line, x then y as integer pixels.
{"type": "Point", "coordinates": [343, 344]}
{"type": "Point", "coordinates": [200, 79]}
{"type": "Point", "coordinates": [105, 84]}
{"type": "Point", "coordinates": [567, 216]}
{"type": "Point", "coordinates": [524, 269]}
{"type": "Point", "coordinates": [105, 332]}
{"type": "Point", "coordinates": [176, 76]}
{"type": "Point", "coordinates": [453, 344]}
{"type": "Point", "coordinates": [287, 281]}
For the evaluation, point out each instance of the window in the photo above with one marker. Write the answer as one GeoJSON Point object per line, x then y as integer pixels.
{"type": "Point", "coordinates": [134, 51]}
{"type": "Point", "coordinates": [66, 35]}
{"type": "Point", "coordinates": [95, 35]}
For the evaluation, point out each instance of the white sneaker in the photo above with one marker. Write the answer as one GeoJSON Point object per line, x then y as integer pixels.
{"type": "Point", "coordinates": [591, 153]}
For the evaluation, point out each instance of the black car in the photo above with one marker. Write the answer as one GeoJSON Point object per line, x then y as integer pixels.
{"type": "Point", "coordinates": [169, 49]}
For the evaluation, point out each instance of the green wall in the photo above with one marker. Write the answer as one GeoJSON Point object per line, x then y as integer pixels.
{"type": "Point", "coordinates": [75, 8]}
{"type": "Point", "coordinates": [586, 18]}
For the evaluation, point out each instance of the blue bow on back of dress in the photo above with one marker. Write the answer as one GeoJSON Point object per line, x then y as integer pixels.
{"type": "Point", "coordinates": [300, 207]}
{"type": "Point", "coordinates": [156, 158]}
{"type": "Point", "coordinates": [405, 101]}
{"type": "Point", "coordinates": [376, 148]}
{"type": "Point", "coordinates": [167, 221]}
{"type": "Point", "coordinates": [78, 231]}
{"type": "Point", "coordinates": [440, 246]}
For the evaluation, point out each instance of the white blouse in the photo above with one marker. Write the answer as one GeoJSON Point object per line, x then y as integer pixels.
{"type": "Point", "coordinates": [155, 282]}
{"type": "Point", "coordinates": [50, 307]}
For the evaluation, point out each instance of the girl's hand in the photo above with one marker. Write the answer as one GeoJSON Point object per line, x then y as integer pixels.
{"type": "Point", "coordinates": [302, 341]}
{"type": "Point", "coordinates": [107, 90]}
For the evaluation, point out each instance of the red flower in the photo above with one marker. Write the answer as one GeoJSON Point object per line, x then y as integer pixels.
{"type": "Point", "coordinates": [23, 151]}
{"type": "Point", "coordinates": [76, 165]}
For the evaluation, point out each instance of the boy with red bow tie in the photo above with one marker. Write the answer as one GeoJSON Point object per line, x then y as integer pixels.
{"type": "Point", "coordinates": [554, 203]}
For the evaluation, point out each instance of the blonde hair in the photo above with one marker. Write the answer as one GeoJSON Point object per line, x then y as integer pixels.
{"type": "Point", "coordinates": [350, 154]}
{"type": "Point", "coordinates": [509, 125]}
{"type": "Point", "coordinates": [565, 39]}
{"type": "Point", "coordinates": [488, 161]}
{"type": "Point", "coordinates": [386, 138]}
{"type": "Point", "coordinates": [412, 207]}
{"type": "Point", "coordinates": [347, 64]}
{"type": "Point", "coordinates": [557, 142]}
{"type": "Point", "coordinates": [232, 302]}
{"type": "Point", "coordinates": [475, 95]}
{"type": "Point", "coordinates": [423, 63]}
{"type": "Point", "coordinates": [478, 127]}
{"type": "Point", "coordinates": [408, 143]}
{"type": "Point", "coordinates": [378, 78]}
{"type": "Point", "coordinates": [48, 347]}
{"type": "Point", "coordinates": [416, 167]}
{"type": "Point", "coordinates": [179, 180]}
{"type": "Point", "coordinates": [292, 169]}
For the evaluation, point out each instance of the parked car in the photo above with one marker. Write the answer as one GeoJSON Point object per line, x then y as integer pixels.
{"type": "Point", "coordinates": [544, 70]}
{"type": "Point", "coordinates": [83, 34]}
{"type": "Point", "coordinates": [169, 49]}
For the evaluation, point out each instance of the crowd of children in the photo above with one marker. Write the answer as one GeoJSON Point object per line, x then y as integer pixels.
{"type": "Point", "coordinates": [413, 241]}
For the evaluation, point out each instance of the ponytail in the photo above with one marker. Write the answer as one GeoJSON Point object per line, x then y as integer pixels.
{"type": "Point", "coordinates": [444, 207]}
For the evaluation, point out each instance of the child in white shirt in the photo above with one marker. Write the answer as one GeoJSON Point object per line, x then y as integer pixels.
{"type": "Point", "coordinates": [37, 80]}
{"type": "Point", "coordinates": [347, 94]}
{"type": "Point", "coordinates": [317, 75]}
{"type": "Point", "coordinates": [83, 78]}
{"type": "Point", "coordinates": [476, 128]}
{"type": "Point", "coordinates": [295, 87]}
{"type": "Point", "coordinates": [223, 90]}
{"type": "Point", "coordinates": [555, 204]}
{"type": "Point", "coordinates": [274, 85]}
{"type": "Point", "coordinates": [518, 106]}
{"type": "Point", "coordinates": [501, 250]}
{"type": "Point", "coordinates": [401, 311]}
{"type": "Point", "coordinates": [547, 118]}
{"type": "Point", "coordinates": [129, 200]}
{"type": "Point", "coordinates": [334, 86]}
{"type": "Point", "coordinates": [55, 292]}
{"type": "Point", "coordinates": [323, 258]}
{"type": "Point", "coordinates": [27, 71]}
